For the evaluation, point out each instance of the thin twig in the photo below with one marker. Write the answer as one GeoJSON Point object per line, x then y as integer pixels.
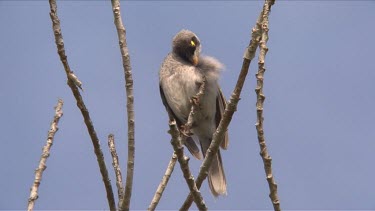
{"type": "Point", "coordinates": [163, 183]}
{"type": "Point", "coordinates": [121, 32]}
{"type": "Point", "coordinates": [259, 107]}
{"type": "Point", "coordinates": [116, 167]}
{"type": "Point", "coordinates": [45, 154]}
{"type": "Point", "coordinates": [86, 116]}
{"type": "Point", "coordinates": [230, 108]}
{"type": "Point", "coordinates": [184, 164]}
{"type": "Point", "coordinates": [194, 107]}
{"type": "Point", "coordinates": [183, 134]}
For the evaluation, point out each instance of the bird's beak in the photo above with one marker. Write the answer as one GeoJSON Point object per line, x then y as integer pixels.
{"type": "Point", "coordinates": [195, 60]}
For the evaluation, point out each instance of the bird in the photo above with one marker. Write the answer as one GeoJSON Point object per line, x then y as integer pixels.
{"type": "Point", "coordinates": [180, 77]}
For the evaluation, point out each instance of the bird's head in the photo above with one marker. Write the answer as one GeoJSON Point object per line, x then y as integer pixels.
{"type": "Point", "coordinates": [187, 46]}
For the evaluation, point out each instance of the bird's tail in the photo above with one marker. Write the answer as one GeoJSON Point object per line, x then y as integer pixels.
{"type": "Point", "coordinates": [216, 175]}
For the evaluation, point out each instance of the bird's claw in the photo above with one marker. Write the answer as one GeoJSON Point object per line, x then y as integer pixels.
{"type": "Point", "coordinates": [185, 131]}
{"type": "Point", "coordinates": [195, 100]}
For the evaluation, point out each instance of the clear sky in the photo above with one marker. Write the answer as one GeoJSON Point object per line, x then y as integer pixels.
{"type": "Point", "coordinates": [319, 109]}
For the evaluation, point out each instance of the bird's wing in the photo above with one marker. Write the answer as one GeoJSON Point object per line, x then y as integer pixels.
{"type": "Point", "coordinates": [220, 107]}
{"type": "Point", "coordinates": [169, 110]}
{"type": "Point", "coordinates": [189, 143]}
{"type": "Point", "coordinates": [193, 148]}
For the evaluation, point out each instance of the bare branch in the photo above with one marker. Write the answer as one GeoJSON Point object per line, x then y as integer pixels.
{"type": "Point", "coordinates": [259, 107]}
{"type": "Point", "coordinates": [230, 108]}
{"type": "Point", "coordinates": [163, 183]}
{"type": "Point", "coordinates": [194, 107]}
{"type": "Point", "coordinates": [116, 167]}
{"type": "Point", "coordinates": [183, 133]}
{"type": "Point", "coordinates": [45, 154]}
{"type": "Point", "coordinates": [86, 116]}
{"type": "Point", "coordinates": [184, 164]}
{"type": "Point", "coordinates": [121, 32]}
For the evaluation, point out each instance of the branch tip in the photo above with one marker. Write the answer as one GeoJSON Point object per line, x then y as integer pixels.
{"type": "Point", "coordinates": [45, 154]}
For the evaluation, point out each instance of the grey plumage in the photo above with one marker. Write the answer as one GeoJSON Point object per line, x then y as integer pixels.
{"type": "Point", "coordinates": [180, 77]}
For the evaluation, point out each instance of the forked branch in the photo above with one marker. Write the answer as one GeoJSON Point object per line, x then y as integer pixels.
{"type": "Point", "coordinates": [121, 33]}
{"type": "Point", "coordinates": [184, 163]}
{"type": "Point", "coordinates": [184, 132]}
{"type": "Point", "coordinates": [267, 160]}
{"type": "Point", "coordinates": [81, 105]}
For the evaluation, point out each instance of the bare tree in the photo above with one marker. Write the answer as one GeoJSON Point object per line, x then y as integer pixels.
{"type": "Point", "coordinates": [259, 38]}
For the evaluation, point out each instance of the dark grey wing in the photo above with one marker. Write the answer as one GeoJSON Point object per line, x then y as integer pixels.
{"type": "Point", "coordinates": [193, 148]}
{"type": "Point", "coordinates": [220, 108]}
{"type": "Point", "coordinates": [169, 110]}
{"type": "Point", "coordinates": [189, 143]}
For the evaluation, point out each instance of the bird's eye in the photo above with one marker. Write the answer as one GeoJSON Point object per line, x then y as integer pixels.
{"type": "Point", "coordinates": [192, 43]}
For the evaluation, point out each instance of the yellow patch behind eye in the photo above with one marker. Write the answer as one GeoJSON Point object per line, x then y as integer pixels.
{"type": "Point", "coordinates": [192, 43]}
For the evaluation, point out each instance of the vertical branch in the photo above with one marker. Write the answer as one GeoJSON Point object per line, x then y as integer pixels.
{"type": "Point", "coordinates": [180, 136]}
{"type": "Point", "coordinates": [116, 167]}
{"type": "Point", "coordinates": [121, 32]}
{"type": "Point", "coordinates": [230, 109]}
{"type": "Point", "coordinates": [259, 107]}
{"type": "Point", "coordinates": [45, 154]}
{"type": "Point", "coordinates": [130, 102]}
{"type": "Point", "coordinates": [184, 164]}
{"type": "Point", "coordinates": [163, 183]}
{"type": "Point", "coordinates": [194, 106]}
{"type": "Point", "coordinates": [73, 83]}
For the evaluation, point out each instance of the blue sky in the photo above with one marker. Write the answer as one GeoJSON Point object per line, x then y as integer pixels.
{"type": "Point", "coordinates": [319, 109]}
